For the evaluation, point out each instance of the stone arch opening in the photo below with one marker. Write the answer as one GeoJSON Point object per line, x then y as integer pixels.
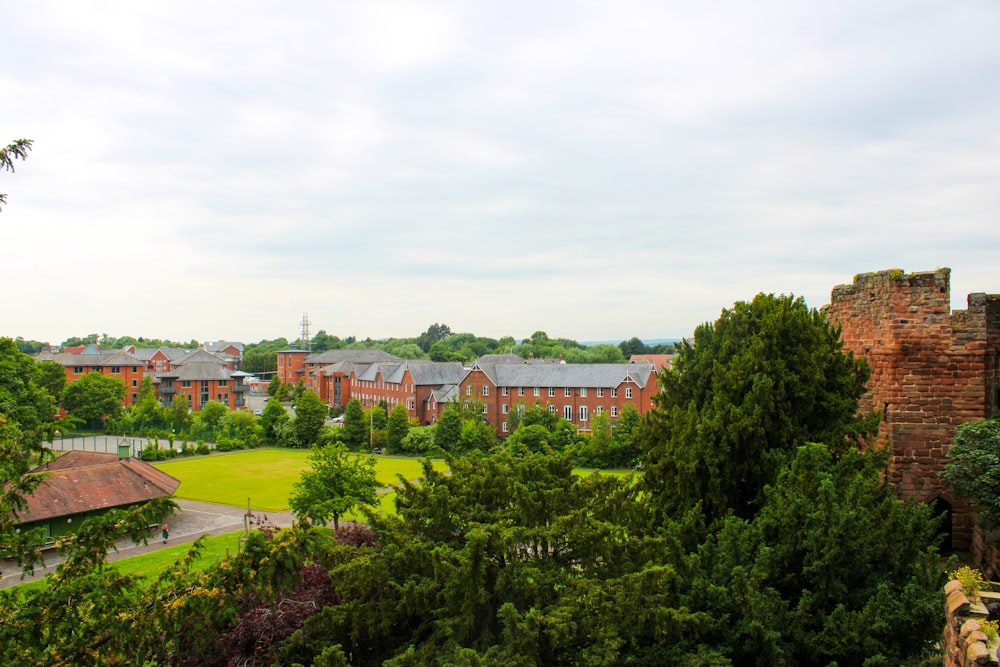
{"type": "Point", "coordinates": [941, 507]}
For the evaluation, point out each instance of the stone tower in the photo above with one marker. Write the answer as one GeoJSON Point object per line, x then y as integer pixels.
{"type": "Point", "coordinates": [932, 369]}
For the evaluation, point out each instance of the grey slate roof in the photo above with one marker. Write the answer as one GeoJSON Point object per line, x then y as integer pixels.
{"type": "Point", "coordinates": [362, 356]}
{"type": "Point", "coordinates": [114, 358]}
{"type": "Point", "coordinates": [571, 375]}
{"type": "Point", "coordinates": [436, 372]}
{"type": "Point", "coordinates": [198, 370]}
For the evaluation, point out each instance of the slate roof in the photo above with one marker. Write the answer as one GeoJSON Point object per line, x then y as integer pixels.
{"type": "Point", "coordinates": [219, 345]}
{"type": "Point", "coordinates": [113, 358]}
{"type": "Point", "coordinates": [436, 372]}
{"type": "Point", "coordinates": [572, 375]}
{"type": "Point", "coordinates": [198, 370]}
{"type": "Point", "coordinates": [88, 481]}
{"type": "Point", "coordinates": [362, 356]}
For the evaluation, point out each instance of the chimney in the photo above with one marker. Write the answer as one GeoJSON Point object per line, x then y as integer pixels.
{"type": "Point", "coordinates": [124, 451]}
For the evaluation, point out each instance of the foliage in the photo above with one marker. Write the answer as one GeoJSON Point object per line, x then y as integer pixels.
{"type": "Point", "coordinates": [396, 427]}
{"type": "Point", "coordinates": [275, 388]}
{"type": "Point", "coordinates": [94, 397]}
{"type": "Point", "coordinates": [310, 414]}
{"type": "Point", "coordinates": [971, 579]}
{"type": "Point", "coordinates": [51, 376]}
{"type": "Point", "coordinates": [355, 426]}
{"type": "Point", "coordinates": [335, 483]}
{"type": "Point", "coordinates": [178, 414]}
{"type": "Point", "coordinates": [973, 468]}
{"type": "Point", "coordinates": [765, 378]}
{"type": "Point", "coordinates": [147, 411]}
{"type": "Point", "coordinates": [435, 332]}
{"type": "Point", "coordinates": [273, 420]}
{"type": "Point", "coordinates": [833, 567]}
{"type": "Point", "coordinates": [17, 150]}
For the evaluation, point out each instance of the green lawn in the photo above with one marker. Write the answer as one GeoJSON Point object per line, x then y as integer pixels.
{"type": "Point", "coordinates": [265, 476]}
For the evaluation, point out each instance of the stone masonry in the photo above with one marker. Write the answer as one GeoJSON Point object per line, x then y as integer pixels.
{"type": "Point", "coordinates": [932, 369]}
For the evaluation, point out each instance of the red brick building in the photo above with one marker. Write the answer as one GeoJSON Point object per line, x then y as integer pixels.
{"type": "Point", "coordinates": [575, 392]}
{"type": "Point", "coordinates": [932, 369]}
{"type": "Point", "coordinates": [202, 377]}
{"type": "Point", "coordinates": [114, 363]}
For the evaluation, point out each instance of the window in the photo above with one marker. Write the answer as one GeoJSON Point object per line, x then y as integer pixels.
{"type": "Point", "coordinates": [628, 392]}
{"type": "Point", "coordinates": [520, 391]}
{"type": "Point", "coordinates": [222, 383]}
{"type": "Point", "coordinates": [583, 391]}
{"type": "Point", "coordinates": [486, 390]}
{"type": "Point", "coordinates": [135, 369]}
{"type": "Point", "coordinates": [614, 392]}
{"type": "Point", "coordinates": [600, 392]}
{"type": "Point", "coordinates": [468, 390]}
{"type": "Point", "coordinates": [583, 413]}
{"type": "Point", "coordinates": [600, 409]}
{"type": "Point", "coordinates": [116, 370]}
{"type": "Point", "coordinates": [77, 369]}
{"type": "Point", "coordinates": [568, 412]}
{"type": "Point", "coordinates": [614, 410]}
{"type": "Point", "coordinates": [504, 391]}
{"type": "Point", "coordinates": [503, 427]}
{"type": "Point", "coordinates": [567, 392]}
{"type": "Point", "coordinates": [504, 408]}
{"type": "Point", "coordinates": [538, 392]}
{"type": "Point", "coordinates": [135, 382]}
{"type": "Point", "coordinates": [185, 383]}
{"type": "Point", "coordinates": [135, 397]}
{"type": "Point", "coordinates": [484, 408]}
{"type": "Point", "coordinates": [552, 391]}
{"type": "Point", "coordinates": [552, 408]}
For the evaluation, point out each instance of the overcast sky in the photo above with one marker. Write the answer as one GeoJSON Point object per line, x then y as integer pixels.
{"type": "Point", "coordinates": [598, 171]}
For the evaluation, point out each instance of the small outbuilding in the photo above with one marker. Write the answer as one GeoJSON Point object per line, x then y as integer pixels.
{"type": "Point", "coordinates": [81, 484]}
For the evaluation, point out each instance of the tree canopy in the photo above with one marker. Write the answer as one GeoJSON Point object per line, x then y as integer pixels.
{"type": "Point", "coordinates": [335, 483]}
{"type": "Point", "coordinates": [766, 377]}
{"type": "Point", "coordinates": [17, 150]}
{"type": "Point", "coordinates": [973, 468]}
{"type": "Point", "coordinates": [94, 397]}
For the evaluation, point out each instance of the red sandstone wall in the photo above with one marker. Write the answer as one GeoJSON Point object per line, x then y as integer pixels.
{"type": "Point", "coordinates": [932, 369]}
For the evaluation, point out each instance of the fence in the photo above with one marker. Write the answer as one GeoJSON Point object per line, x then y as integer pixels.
{"type": "Point", "coordinates": [107, 444]}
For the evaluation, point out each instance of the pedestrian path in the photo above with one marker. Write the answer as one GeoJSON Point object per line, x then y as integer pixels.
{"type": "Point", "coordinates": [193, 520]}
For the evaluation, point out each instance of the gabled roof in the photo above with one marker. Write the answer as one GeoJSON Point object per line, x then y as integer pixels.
{"type": "Point", "coordinates": [220, 345]}
{"type": "Point", "coordinates": [573, 375]}
{"type": "Point", "coordinates": [113, 358]}
{"type": "Point", "coordinates": [198, 356]}
{"type": "Point", "coordinates": [661, 361]}
{"type": "Point", "coordinates": [198, 370]}
{"type": "Point", "coordinates": [435, 372]}
{"type": "Point", "coordinates": [358, 356]}
{"type": "Point", "coordinates": [87, 481]}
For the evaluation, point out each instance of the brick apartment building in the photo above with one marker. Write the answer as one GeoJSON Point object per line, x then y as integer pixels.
{"type": "Point", "coordinates": [200, 375]}
{"type": "Point", "coordinates": [932, 369]}
{"type": "Point", "coordinates": [497, 383]}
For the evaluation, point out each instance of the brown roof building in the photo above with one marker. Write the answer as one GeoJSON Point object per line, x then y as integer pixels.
{"type": "Point", "coordinates": [81, 484]}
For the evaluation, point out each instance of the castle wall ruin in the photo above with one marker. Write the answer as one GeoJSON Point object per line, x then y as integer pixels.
{"type": "Point", "coordinates": [932, 369]}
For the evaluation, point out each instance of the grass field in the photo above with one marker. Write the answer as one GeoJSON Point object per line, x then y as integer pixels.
{"type": "Point", "coordinates": [265, 476]}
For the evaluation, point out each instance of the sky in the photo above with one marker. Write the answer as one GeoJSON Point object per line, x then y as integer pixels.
{"type": "Point", "coordinates": [594, 170]}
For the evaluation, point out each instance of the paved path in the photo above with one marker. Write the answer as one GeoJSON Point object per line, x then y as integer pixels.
{"type": "Point", "coordinates": [192, 521]}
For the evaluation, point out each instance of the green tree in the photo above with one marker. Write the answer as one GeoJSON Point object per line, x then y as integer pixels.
{"type": "Point", "coordinates": [355, 426]}
{"type": "Point", "coordinates": [435, 332]}
{"type": "Point", "coordinates": [94, 397]}
{"type": "Point", "coordinates": [973, 467]}
{"type": "Point", "coordinates": [148, 412]}
{"type": "Point", "coordinates": [310, 415]}
{"type": "Point", "coordinates": [272, 421]}
{"type": "Point", "coordinates": [448, 430]}
{"type": "Point", "coordinates": [335, 483]}
{"type": "Point", "coordinates": [18, 150]}
{"type": "Point", "coordinates": [816, 577]}
{"type": "Point", "coordinates": [396, 428]}
{"type": "Point", "coordinates": [179, 413]}
{"type": "Point", "coordinates": [51, 376]}
{"type": "Point", "coordinates": [27, 419]}
{"type": "Point", "coordinates": [212, 414]}
{"type": "Point", "coordinates": [275, 388]}
{"type": "Point", "coordinates": [765, 378]}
